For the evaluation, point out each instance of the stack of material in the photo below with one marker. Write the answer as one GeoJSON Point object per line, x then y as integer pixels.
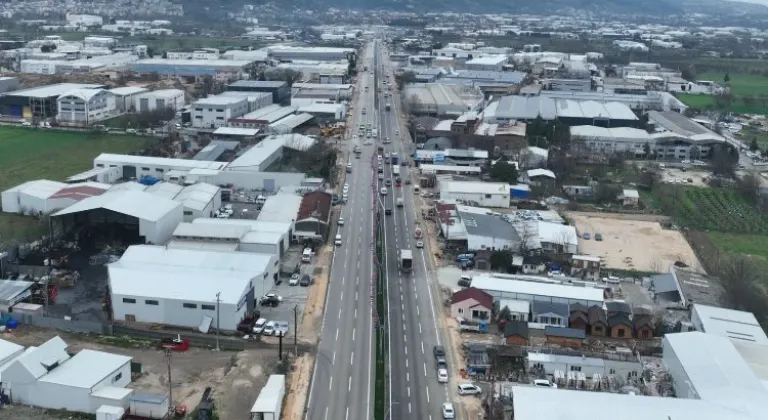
{"type": "Point", "coordinates": [64, 278]}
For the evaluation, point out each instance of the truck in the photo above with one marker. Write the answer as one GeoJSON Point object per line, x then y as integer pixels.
{"type": "Point", "coordinates": [394, 162]}
{"type": "Point", "coordinates": [406, 260]}
{"type": "Point", "coordinates": [375, 133]}
{"type": "Point", "coordinates": [387, 106]}
{"type": "Point", "coordinates": [399, 202]}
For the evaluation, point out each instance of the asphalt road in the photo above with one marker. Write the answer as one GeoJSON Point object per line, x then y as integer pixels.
{"type": "Point", "coordinates": [342, 385]}
{"type": "Point", "coordinates": [415, 392]}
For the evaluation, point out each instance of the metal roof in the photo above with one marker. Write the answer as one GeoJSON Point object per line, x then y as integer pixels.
{"type": "Point", "coordinates": [48, 354]}
{"type": "Point", "coordinates": [479, 222]}
{"type": "Point", "coordinates": [12, 292]}
{"type": "Point", "coordinates": [151, 257]}
{"type": "Point", "coordinates": [531, 288]}
{"type": "Point", "coordinates": [730, 323]}
{"type": "Point", "coordinates": [86, 369]}
{"type": "Point", "coordinates": [197, 196]}
{"type": "Point", "coordinates": [138, 204]}
{"type": "Point", "coordinates": [476, 187]}
{"type": "Point", "coordinates": [210, 231]}
{"type": "Point", "coordinates": [51, 90]}
{"type": "Point", "coordinates": [40, 188]}
{"type": "Point", "coordinates": [255, 225]}
{"type": "Point", "coordinates": [128, 90]}
{"type": "Point", "coordinates": [235, 131]}
{"type": "Point", "coordinates": [280, 208]}
{"type": "Point", "coordinates": [8, 349]}
{"type": "Point", "coordinates": [109, 158]}
{"type": "Point", "coordinates": [164, 189]}
{"type": "Point", "coordinates": [270, 398]}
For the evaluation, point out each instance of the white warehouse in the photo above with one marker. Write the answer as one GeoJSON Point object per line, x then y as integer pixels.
{"type": "Point", "coordinates": [482, 194]}
{"type": "Point", "coordinates": [135, 167]}
{"type": "Point", "coordinates": [160, 99]}
{"type": "Point", "coordinates": [215, 111]}
{"type": "Point", "coordinates": [159, 285]}
{"type": "Point", "coordinates": [46, 376]}
{"type": "Point", "coordinates": [85, 106]}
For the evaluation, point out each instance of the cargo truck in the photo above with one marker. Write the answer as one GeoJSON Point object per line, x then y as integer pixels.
{"type": "Point", "coordinates": [387, 106]}
{"type": "Point", "coordinates": [406, 260]}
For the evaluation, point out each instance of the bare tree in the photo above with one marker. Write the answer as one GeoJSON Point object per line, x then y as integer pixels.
{"type": "Point", "coordinates": [528, 235]}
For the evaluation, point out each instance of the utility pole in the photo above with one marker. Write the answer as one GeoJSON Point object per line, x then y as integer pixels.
{"type": "Point", "coordinates": [168, 356]}
{"type": "Point", "coordinates": [218, 301]}
{"type": "Point", "coordinates": [296, 331]}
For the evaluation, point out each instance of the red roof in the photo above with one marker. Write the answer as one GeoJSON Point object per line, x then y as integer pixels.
{"type": "Point", "coordinates": [315, 204]}
{"type": "Point", "coordinates": [473, 293]}
{"type": "Point", "coordinates": [78, 193]}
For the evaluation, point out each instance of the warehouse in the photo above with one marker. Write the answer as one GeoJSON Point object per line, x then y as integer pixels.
{"type": "Point", "coordinates": [622, 367]}
{"type": "Point", "coordinates": [137, 216]}
{"type": "Point", "coordinates": [84, 107]}
{"type": "Point", "coordinates": [484, 194]}
{"type": "Point", "coordinates": [231, 237]}
{"type": "Point", "coordinates": [160, 99]}
{"type": "Point", "coordinates": [281, 230]}
{"type": "Point", "coordinates": [290, 53]}
{"type": "Point", "coordinates": [487, 63]}
{"type": "Point", "coordinates": [320, 71]}
{"type": "Point", "coordinates": [39, 102]}
{"type": "Point", "coordinates": [325, 112]}
{"type": "Point", "coordinates": [47, 376]}
{"type": "Point", "coordinates": [567, 111]}
{"type": "Point", "coordinates": [279, 90]}
{"type": "Point", "coordinates": [263, 117]}
{"type": "Point", "coordinates": [256, 100]}
{"type": "Point", "coordinates": [481, 230]}
{"type": "Point", "coordinates": [508, 288]}
{"type": "Point", "coordinates": [313, 217]}
{"type": "Point", "coordinates": [8, 351]}
{"type": "Point", "coordinates": [441, 100]}
{"type": "Point", "coordinates": [180, 287]}
{"type": "Point", "coordinates": [290, 123]}
{"type": "Point", "coordinates": [728, 323]}
{"type": "Point", "coordinates": [282, 208]}
{"type": "Point", "coordinates": [613, 140]}
{"type": "Point", "coordinates": [259, 157]}
{"type": "Point", "coordinates": [675, 135]}
{"type": "Point", "coordinates": [215, 111]}
{"type": "Point", "coordinates": [327, 91]}
{"type": "Point", "coordinates": [221, 70]}
{"type": "Point", "coordinates": [125, 97]}
{"type": "Point", "coordinates": [136, 167]}
{"type": "Point", "coordinates": [43, 196]}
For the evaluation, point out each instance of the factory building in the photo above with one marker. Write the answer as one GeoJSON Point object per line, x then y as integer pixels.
{"type": "Point", "coordinates": [441, 100]}
{"type": "Point", "coordinates": [39, 102]}
{"type": "Point", "coordinates": [136, 167]}
{"type": "Point", "coordinates": [84, 107]}
{"type": "Point", "coordinates": [278, 89]}
{"type": "Point", "coordinates": [290, 53]}
{"type": "Point", "coordinates": [125, 97]}
{"type": "Point", "coordinates": [569, 112]}
{"type": "Point", "coordinates": [218, 69]}
{"type": "Point", "coordinates": [44, 196]}
{"type": "Point", "coordinates": [215, 111]}
{"type": "Point", "coordinates": [159, 99]}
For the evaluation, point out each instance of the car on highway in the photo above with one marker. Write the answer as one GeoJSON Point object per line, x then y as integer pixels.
{"type": "Point", "coordinates": [439, 351]}
{"type": "Point", "coordinates": [442, 376]}
{"type": "Point", "coordinates": [381, 177]}
{"type": "Point", "coordinates": [349, 168]}
{"type": "Point", "coordinates": [383, 191]}
{"type": "Point", "coordinates": [419, 244]}
{"type": "Point", "coordinates": [341, 221]}
{"type": "Point", "coordinates": [469, 389]}
{"type": "Point", "coordinates": [388, 183]}
{"type": "Point", "coordinates": [305, 280]}
{"type": "Point", "coordinates": [448, 411]}
{"type": "Point", "coordinates": [388, 211]}
{"type": "Point", "coordinates": [294, 280]}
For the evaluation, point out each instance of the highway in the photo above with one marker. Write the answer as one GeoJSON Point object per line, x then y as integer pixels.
{"type": "Point", "coordinates": [413, 333]}
{"type": "Point", "coordinates": [342, 384]}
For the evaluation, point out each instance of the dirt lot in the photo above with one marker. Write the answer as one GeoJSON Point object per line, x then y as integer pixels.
{"type": "Point", "coordinates": [236, 377]}
{"type": "Point", "coordinates": [676, 176]}
{"type": "Point", "coordinates": [632, 244]}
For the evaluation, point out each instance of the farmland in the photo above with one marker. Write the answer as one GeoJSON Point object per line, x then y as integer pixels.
{"type": "Point", "coordinates": [741, 84]}
{"type": "Point", "coordinates": [27, 154]}
{"type": "Point", "coordinates": [711, 209]}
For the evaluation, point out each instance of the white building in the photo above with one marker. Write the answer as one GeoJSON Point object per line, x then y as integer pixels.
{"type": "Point", "coordinates": [204, 54]}
{"type": "Point", "coordinates": [555, 237]}
{"type": "Point", "coordinates": [46, 376]}
{"type": "Point", "coordinates": [282, 208]}
{"type": "Point", "coordinates": [215, 111]}
{"type": "Point", "coordinates": [155, 284]}
{"type": "Point", "coordinates": [608, 141]}
{"type": "Point", "coordinates": [484, 194]}
{"type": "Point", "coordinates": [290, 53]}
{"type": "Point", "coordinates": [160, 99]}
{"type": "Point", "coordinates": [125, 97]}
{"type": "Point", "coordinates": [199, 200]}
{"type": "Point", "coordinates": [84, 20]}
{"type": "Point", "coordinates": [261, 237]}
{"type": "Point", "coordinates": [487, 63]}
{"type": "Point", "coordinates": [85, 106]}
{"type": "Point", "coordinates": [728, 323]}
{"type": "Point", "coordinates": [136, 167]}
{"type": "Point", "coordinates": [624, 368]}
{"type": "Point", "coordinates": [506, 287]}
{"type": "Point", "coordinates": [44, 196]}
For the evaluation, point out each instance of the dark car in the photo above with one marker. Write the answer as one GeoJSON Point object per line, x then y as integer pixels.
{"type": "Point", "coordinates": [305, 280]}
{"type": "Point", "coordinates": [388, 211]}
{"type": "Point", "coordinates": [270, 300]}
{"type": "Point", "coordinates": [465, 283]}
{"type": "Point", "coordinates": [439, 351]}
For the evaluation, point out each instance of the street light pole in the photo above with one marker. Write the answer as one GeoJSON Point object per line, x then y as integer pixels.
{"type": "Point", "coordinates": [218, 323]}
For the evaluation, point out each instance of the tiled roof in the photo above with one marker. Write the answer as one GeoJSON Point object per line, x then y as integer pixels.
{"type": "Point", "coordinates": [473, 293]}
{"type": "Point", "coordinates": [315, 204]}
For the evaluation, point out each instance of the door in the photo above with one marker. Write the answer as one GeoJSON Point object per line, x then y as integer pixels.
{"type": "Point", "coordinates": [129, 172]}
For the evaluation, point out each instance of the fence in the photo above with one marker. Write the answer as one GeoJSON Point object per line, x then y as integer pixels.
{"type": "Point", "coordinates": [84, 327]}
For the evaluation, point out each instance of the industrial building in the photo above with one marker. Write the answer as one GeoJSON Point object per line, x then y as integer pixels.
{"type": "Point", "coordinates": [569, 112]}
{"type": "Point", "coordinates": [48, 377]}
{"type": "Point", "coordinates": [39, 102]}
{"type": "Point", "coordinates": [676, 134]}
{"type": "Point", "coordinates": [125, 97]}
{"type": "Point", "coordinates": [259, 236]}
{"type": "Point", "coordinates": [487, 63]}
{"type": "Point", "coordinates": [485, 194]}
{"type": "Point", "coordinates": [218, 69]}
{"type": "Point", "coordinates": [290, 123]}
{"type": "Point", "coordinates": [215, 111]}
{"type": "Point", "coordinates": [622, 367]}
{"type": "Point", "coordinates": [649, 101]}
{"type": "Point", "coordinates": [140, 217]}
{"type": "Point", "coordinates": [290, 53]}
{"type": "Point", "coordinates": [482, 230]}
{"type": "Point", "coordinates": [269, 150]}
{"type": "Point", "coordinates": [9, 84]}
{"type": "Point", "coordinates": [160, 99]}
{"type": "Point", "coordinates": [281, 208]}
{"type": "Point", "coordinates": [325, 112]}
{"type": "Point", "coordinates": [262, 118]}
{"type": "Point", "coordinates": [506, 287]}
{"type": "Point", "coordinates": [320, 71]}
{"type": "Point", "coordinates": [43, 196]}
{"type": "Point", "coordinates": [256, 100]}
{"type": "Point", "coordinates": [739, 326]}
{"type": "Point", "coordinates": [313, 217]}
{"type": "Point", "coordinates": [85, 107]}
{"type": "Point", "coordinates": [136, 167]}
{"type": "Point", "coordinates": [279, 90]}
{"type": "Point", "coordinates": [188, 288]}
{"type": "Point", "coordinates": [441, 100]}
{"type": "Point", "coordinates": [322, 91]}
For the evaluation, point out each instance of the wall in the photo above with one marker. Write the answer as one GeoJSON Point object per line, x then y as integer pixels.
{"type": "Point", "coordinates": [61, 397]}
{"type": "Point", "coordinates": [484, 200]}
{"type": "Point", "coordinates": [207, 115]}
{"type": "Point", "coordinates": [264, 248]}
{"type": "Point", "coordinates": [160, 231]}
{"type": "Point", "coordinates": [681, 382]}
{"type": "Point", "coordinates": [172, 312]}
{"type": "Point", "coordinates": [269, 181]}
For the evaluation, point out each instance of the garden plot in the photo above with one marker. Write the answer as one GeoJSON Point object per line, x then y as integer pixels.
{"type": "Point", "coordinates": [632, 244]}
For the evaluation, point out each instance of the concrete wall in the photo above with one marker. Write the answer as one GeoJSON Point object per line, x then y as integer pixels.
{"type": "Point", "coordinates": [172, 312]}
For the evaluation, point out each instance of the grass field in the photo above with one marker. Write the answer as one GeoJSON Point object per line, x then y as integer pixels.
{"type": "Point", "coordinates": [741, 84]}
{"type": "Point", "coordinates": [741, 243]}
{"type": "Point", "coordinates": [27, 154]}
{"type": "Point", "coordinates": [739, 105]}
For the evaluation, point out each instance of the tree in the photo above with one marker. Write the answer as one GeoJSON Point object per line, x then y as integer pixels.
{"type": "Point", "coordinates": [46, 48]}
{"type": "Point", "coordinates": [504, 171]}
{"type": "Point", "coordinates": [749, 186]}
{"type": "Point", "coordinates": [726, 78]}
{"type": "Point", "coordinates": [723, 160]}
{"type": "Point", "coordinates": [688, 73]}
{"type": "Point", "coordinates": [647, 150]}
{"type": "Point", "coordinates": [404, 78]}
{"type": "Point", "coordinates": [501, 261]}
{"type": "Point", "coordinates": [753, 146]}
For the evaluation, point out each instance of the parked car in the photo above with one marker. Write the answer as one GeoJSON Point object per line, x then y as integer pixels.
{"type": "Point", "coordinates": [586, 236]}
{"type": "Point", "coordinates": [281, 328]}
{"type": "Point", "coordinates": [465, 282]}
{"type": "Point", "coordinates": [306, 280]}
{"type": "Point", "coordinates": [341, 221]}
{"type": "Point", "coordinates": [442, 376]}
{"type": "Point", "coordinates": [258, 327]}
{"type": "Point", "coordinates": [269, 328]}
{"type": "Point", "coordinates": [294, 280]}
{"type": "Point", "coordinates": [271, 299]}
{"type": "Point", "coordinates": [598, 236]}
{"type": "Point", "coordinates": [469, 389]}
{"type": "Point", "coordinates": [438, 351]}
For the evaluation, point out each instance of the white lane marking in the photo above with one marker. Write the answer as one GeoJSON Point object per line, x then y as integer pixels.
{"type": "Point", "coordinates": [425, 369]}
{"type": "Point", "coordinates": [326, 413]}
{"type": "Point", "coordinates": [342, 295]}
{"type": "Point", "coordinates": [402, 305]}
{"type": "Point", "coordinates": [355, 295]}
{"type": "Point", "coordinates": [330, 384]}
{"type": "Point", "coordinates": [339, 313]}
{"type": "Point", "coordinates": [409, 407]}
{"type": "Point", "coordinates": [347, 416]}
{"type": "Point", "coordinates": [405, 337]}
{"type": "Point", "coordinates": [355, 312]}
{"type": "Point", "coordinates": [427, 394]}
{"type": "Point", "coordinates": [422, 343]}
{"type": "Point", "coordinates": [349, 384]}
{"type": "Point", "coordinates": [337, 334]}
{"type": "Point", "coordinates": [353, 335]}
{"type": "Point", "coordinates": [415, 295]}
{"type": "Point", "coordinates": [409, 392]}
{"type": "Point", "coordinates": [419, 327]}
{"type": "Point", "coordinates": [352, 359]}
{"type": "Point", "coordinates": [333, 362]}
{"type": "Point", "coordinates": [406, 351]}
{"type": "Point", "coordinates": [417, 311]}
{"type": "Point", "coordinates": [406, 365]}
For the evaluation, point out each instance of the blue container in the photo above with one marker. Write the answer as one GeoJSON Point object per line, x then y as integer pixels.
{"type": "Point", "coordinates": [12, 324]}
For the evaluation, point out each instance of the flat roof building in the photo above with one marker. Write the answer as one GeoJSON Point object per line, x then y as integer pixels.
{"type": "Point", "coordinates": [442, 100]}
{"type": "Point", "coordinates": [508, 288]}
{"type": "Point", "coordinates": [728, 323]}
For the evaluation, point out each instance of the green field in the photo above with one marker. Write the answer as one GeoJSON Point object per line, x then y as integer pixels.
{"type": "Point", "coordinates": [741, 84]}
{"type": "Point", "coordinates": [739, 104]}
{"type": "Point", "coordinates": [27, 154]}
{"type": "Point", "coordinates": [741, 243]}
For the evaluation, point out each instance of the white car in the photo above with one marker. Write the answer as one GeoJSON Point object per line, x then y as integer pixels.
{"type": "Point", "coordinates": [341, 221]}
{"type": "Point", "coordinates": [294, 281]}
{"type": "Point", "coordinates": [469, 389]}
{"type": "Point", "coordinates": [258, 327]}
{"type": "Point", "coordinates": [448, 411]}
{"type": "Point", "coordinates": [419, 244]}
{"type": "Point", "coordinates": [269, 328]}
{"type": "Point", "coordinates": [383, 191]}
{"type": "Point", "coordinates": [442, 376]}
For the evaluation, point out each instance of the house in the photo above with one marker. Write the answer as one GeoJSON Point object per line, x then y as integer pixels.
{"type": "Point", "coordinates": [530, 264]}
{"type": "Point", "coordinates": [598, 322]}
{"type": "Point", "coordinates": [538, 177]}
{"type": "Point", "coordinates": [615, 307]}
{"type": "Point", "coordinates": [313, 218]}
{"type": "Point", "coordinates": [620, 325]}
{"type": "Point", "coordinates": [565, 337]}
{"type": "Point", "coordinates": [472, 304]}
{"type": "Point", "coordinates": [533, 157]}
{"type": "Point", "coordinates": [516, 333]}
{"type": "Point", "coordinates": [629, 198]}
{"type": "Point", "coordinates": [519, 310]}
{"type": "Point", "coordinates": [579, 317]}
{"type": "Point", "coordinates": [642, 323]}
{"type": "Point", "coordinates": [550, 313]}
{"type": "Point", "coordinates": [585, 267]}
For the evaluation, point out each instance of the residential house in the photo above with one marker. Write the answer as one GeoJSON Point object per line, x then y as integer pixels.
{"type": "Point", "coordinates": [472, 304]}
{"type": "Point", "coordinates": [539, 176]}
{"type": "Point", "coordinates": [614, 307]}
{"type": "Point", "coordinates": [629, 198]}
{"type": "Point", "coordinates": [533, 157]}
{"type": "Point", "coordinates": [620, 325]}
{"type": "Point", "coordinates": [565, 337]}
{"type": "Point", "coordinates": [550, 313]}
{"type": "Point", "coordinates": [598, 322]}
{"type": "Point", "coordinates": [530, 264]}
{"type": "Point", "coordinates": [642, 323]}
{"type": "Point", "coordinates": [585, 267]}
{"type": "Point", "coordinates": [313, 217]}
{"type": "Point", "coordinates": [516, 333]}
{"type": "Point", "coordinates": [579, 317]}
{"type": "Point", "coordinates": [519, 310]}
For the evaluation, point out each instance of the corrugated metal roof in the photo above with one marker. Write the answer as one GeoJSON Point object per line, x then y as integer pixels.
{"type": "Point", "coordinates": [138, 204]}
{"type": "Point", "coordinates": [537, 289]}
{"type": "Point", "coordinates": [86, 369]}
{"type": "Point", "coordinates": [50, 353]}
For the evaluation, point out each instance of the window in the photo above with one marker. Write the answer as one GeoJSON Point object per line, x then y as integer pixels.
{"type": "Point", "coordinates": [159, 170]}
{"type": "Point", "coordinates": [575, 368]}
{"type": "Point", "coordinates": [99, 165]}
{"type": "Point", "coordinates": [189, 305]}
{"type": "Point", "coordinates": [208, 307]}
{"type": "Point", "coordinates": [129, 300]}
{"type": "Point", "coordinates": [612, 371]}
{"type": "Point", "coordinates": [144, 169]}
{"type": "Point", "coordinates": [621, 332]}
{"type": "Point", "coordinates": [117, 377]}
{"type": "Point", "coordinates": [187, 213]}
{"type": "Point", "coordinates": [487, 196]}
{"type": "Point", "coordinates": [151, 302]}
{"type": "Point", "coordinates": [461, 310]}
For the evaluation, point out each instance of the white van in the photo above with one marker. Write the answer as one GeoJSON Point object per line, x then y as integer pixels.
{"type": "Point", "coordinates": [306, 256]}
{"type": "Point", "coordinates": [338, 239]}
